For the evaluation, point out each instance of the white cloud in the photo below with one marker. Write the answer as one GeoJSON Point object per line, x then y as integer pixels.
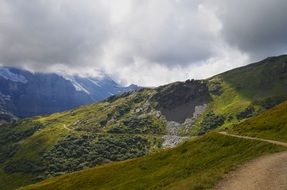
{"type": "Point", "coordinates": [144, 42]}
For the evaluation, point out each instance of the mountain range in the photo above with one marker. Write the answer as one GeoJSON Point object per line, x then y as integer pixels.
{"type": "Point", "coordinates": [26, 94]}
{"type": "Point", "coordinates": [152, 138]}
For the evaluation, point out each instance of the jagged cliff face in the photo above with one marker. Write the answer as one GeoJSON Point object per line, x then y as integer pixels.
{"type": "Point", "coordinates": [180, 101]}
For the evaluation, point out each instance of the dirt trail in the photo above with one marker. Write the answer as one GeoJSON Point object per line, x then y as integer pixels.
{"type": "Point", "coordinates": [255, 138]}
{"type": "Point", "coordinates": [65, 127]}
{"type": "Point", "coordinates": [265, 173]}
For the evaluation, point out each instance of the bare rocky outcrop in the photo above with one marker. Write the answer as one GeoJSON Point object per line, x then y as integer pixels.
{"type": "Point", "coordinates": [172, 139]}
{"type": "Point", "coordinates": [178, 101]}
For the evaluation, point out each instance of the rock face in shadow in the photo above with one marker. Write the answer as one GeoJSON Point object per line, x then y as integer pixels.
{"type": "Point", "coordinates": [178, 101]}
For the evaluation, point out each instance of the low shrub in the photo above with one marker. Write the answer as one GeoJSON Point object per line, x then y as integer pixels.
{"type": "Point", "coordinates": [211, 121]}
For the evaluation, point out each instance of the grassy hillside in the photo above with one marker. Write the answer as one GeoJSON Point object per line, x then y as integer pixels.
{"type": "Point", "coordinates": [120, 128]}
{"type": "Point", "coordinates": [245, 92]}
{"type": "Point", "coordinates": [117, 129]}
{"type": "Point", "coordinates": [272, 124]}
{"type": "Point", "coordinates": [197, 164]}
{"type": "Point", "coordinates": [137, 123]}
{"type": "Point", "coordinates": [232, 97]}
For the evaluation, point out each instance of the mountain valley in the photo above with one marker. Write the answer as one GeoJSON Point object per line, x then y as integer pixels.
{"type": "Point", "coordinates": [151, 138]}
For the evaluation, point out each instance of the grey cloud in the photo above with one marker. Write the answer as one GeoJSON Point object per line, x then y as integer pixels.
{"type": "Point", "coordinates": [134, 36]}
{"type": "Point", "coordinates": [257, 27]}
{"type": "Point", "coordinates": [170, 32]}
{"type": "Point", "coordinates": [43, 33]}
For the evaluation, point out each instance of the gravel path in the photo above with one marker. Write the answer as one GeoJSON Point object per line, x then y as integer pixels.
{"type": "Point", "coordinates": [265, 173]}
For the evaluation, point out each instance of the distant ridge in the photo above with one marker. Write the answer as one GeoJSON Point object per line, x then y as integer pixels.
{"type": "Point", "coordinates": [25, 94]}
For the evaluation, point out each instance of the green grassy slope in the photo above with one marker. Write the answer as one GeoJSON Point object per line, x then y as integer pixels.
{"type": "Point", "coordinates": [197, 164]}
{"type": "Point", "coordinates": [117, 129]}
{"type": "Point", "coordinates": [130, 126]}
{"type": "Point", "coordinates": [272, 124]}
{"type": "Point", "coordinates": [263, 79]}
{"type": "Point", "coordinates": [244, 92]}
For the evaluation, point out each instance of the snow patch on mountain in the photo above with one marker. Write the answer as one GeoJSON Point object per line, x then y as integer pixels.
{"type": "Point", "coordinates": [75, 83]}
{"type": "Point", "coordinates": [94, 82]}
{"type": "Point", "coordinates": [8, 75]}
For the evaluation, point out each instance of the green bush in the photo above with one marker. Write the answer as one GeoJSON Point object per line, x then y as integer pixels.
{"type": "Point", "coordinates": [8, 151]}
{"type": "Point", "coordinates": [211, 121]}
{"type": "Point", "coordinates": [248, 112]}
{"type": "Point", "coordinates": [23, 166]}
{"type": "Point", "coordinates": [270, 102]}
{"type": "Point", "coordinates": [75, 153]}
{"type": "Point", "coordinates": [122, 110]}
{"type": "Point", "coordinates": [139, 125]}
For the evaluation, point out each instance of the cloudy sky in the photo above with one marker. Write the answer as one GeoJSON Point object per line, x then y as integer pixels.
{"type": "Point", "coordinates": [146, 42]}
